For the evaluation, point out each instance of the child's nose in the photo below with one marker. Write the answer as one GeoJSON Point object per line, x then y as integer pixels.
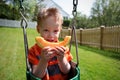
{"type": "Point", "coordinates": [51, 34]}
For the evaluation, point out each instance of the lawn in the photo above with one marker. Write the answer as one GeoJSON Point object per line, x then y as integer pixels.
{"type": "Point", "coordinates": [94, 64]}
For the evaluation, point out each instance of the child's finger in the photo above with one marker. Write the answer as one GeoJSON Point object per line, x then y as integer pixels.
{"type": "Point", "coordinates": [47, 49]}
{"type": "Point", "coordinates": [61, 48]}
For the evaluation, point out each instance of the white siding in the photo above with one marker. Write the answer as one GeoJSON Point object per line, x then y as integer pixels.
{"type": "Point", "coordinates": [51, 3]}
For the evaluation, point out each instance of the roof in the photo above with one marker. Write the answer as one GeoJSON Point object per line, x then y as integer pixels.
{"type": "Point", "coordinates": [51, 3]}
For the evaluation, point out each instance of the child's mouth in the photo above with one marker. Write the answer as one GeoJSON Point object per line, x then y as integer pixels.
{"type": "Point", "coordinates": [50, 40]}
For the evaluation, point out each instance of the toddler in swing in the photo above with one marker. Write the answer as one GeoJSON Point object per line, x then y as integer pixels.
{"type": "Point", "coordinates": [50, 63]}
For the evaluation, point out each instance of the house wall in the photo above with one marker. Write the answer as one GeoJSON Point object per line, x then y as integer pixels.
{"type": "Point", "coordinates": [51, 3]}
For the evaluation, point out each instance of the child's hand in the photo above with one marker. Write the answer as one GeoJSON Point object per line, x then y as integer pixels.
{"type": "Point", "coordinates": [47, 53]}
{"type": "Point", "coordinates": [60, 52]}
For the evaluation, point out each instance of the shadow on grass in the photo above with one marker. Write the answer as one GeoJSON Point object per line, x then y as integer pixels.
{"type": "Point", "coordinates": [106, 53]}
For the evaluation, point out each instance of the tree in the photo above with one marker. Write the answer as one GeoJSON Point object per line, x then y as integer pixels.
{"type": "Point", "coordinates": [106, 12]}
{"type": "Point", "coordinates": [38, 7]}
{"type": "Point", "coordinates": [82, 20]}
{"type": "Point", "coordinates": [8, 10]}
{"type": "Point", "coordinates": [29, 6]}
{"type": "Point", "coordinates": [13, 7]}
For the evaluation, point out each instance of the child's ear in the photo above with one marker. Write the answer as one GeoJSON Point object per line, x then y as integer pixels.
{"type": "Point", "coordinates": [38, 29]}
{"type": "Point", "coordinates": [61, 27]}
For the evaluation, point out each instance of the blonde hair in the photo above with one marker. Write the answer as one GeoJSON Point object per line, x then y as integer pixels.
{"type": "Point", "coordinates": [45, 13]}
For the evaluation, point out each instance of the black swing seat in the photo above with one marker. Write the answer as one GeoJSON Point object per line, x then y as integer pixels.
{"type": "Point", "coordinates": [73, 75]}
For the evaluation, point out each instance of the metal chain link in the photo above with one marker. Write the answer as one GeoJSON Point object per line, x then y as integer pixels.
{"type": "Point", "coordinates": [22, 13]}
{"type": "Point", "coordinates": [74, 12]}
{"type": "Point", "coordinates": [20, 1]}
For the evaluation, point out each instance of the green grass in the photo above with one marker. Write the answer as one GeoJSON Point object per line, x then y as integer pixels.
{"type": "Point", "coordinates": [94, 64]}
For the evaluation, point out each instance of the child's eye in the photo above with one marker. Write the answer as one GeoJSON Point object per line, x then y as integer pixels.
{"type": "Point", "coordinates": [45, 30]}
{"type": "Point", "coordinates": [55, 31]}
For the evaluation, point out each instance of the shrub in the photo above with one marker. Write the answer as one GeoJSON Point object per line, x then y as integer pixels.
{"type": "Point", "coordinates": [66, 22]}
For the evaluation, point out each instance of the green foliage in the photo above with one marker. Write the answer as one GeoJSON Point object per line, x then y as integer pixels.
{"type": "Point", "coordinates": [8, 12]}
{"type": "Point", "coordinates": [11, 10]}
{"type": "Point", "coordinates": [103, 12]}
{"type": "Point", "coordinates": [66, 22]}
{"type": "Point", "coordinates": [29, 6]}
{"type": "Point", "coordinates": [38, 7]}
{"type": "Point", "coordinates": [106, 12]}
{"type": "Point", "coordinates": [85, 22]}
{"type": "Point", "coordinates": [82, 21]}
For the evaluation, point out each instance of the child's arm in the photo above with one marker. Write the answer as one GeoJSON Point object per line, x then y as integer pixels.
{"type": "Point", "coordinates": [64, 65]}
{"type": "Point", "coordinates": [40, 69]}
{"type": "Point", "coordinates": [62, 61]}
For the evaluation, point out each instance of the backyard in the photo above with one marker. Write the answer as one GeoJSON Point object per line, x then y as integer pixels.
{"type": "Point", "coordinates": [94, 64]}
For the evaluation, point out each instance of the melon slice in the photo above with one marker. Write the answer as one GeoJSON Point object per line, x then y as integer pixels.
{"type": "Point", "coordinates": [43, 43]}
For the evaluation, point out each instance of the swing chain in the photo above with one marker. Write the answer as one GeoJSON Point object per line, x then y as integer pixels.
{"type": "Point", "coordinates": [24, 26]}
{"type": "Point", "coordinates": [74, 12]}
{"type": "Point", "coordinates": [75, 3]}
{"type": "Point", "coordinates": [21, 3]}
{"type": "Point", "coordinates": [22, 13]}
{"type": "Point", "coordinates": [73, 33]}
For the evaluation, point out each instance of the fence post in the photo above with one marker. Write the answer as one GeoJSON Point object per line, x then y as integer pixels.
{"type": "Point", "coordinates": [101, 36]}
{"type": "Point", "coordinates": [69, 31]}
{"type": "Point", "coordinates": [81, 36]}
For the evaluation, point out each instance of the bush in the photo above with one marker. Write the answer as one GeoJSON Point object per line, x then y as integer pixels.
{"type": "Point", "coordinates": [66, 22]}
{"type": "Point", "coordinates": [8, 12]}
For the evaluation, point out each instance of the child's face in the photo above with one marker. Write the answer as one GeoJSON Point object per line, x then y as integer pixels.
{"type": "Point", "coordinates": [50, 29]}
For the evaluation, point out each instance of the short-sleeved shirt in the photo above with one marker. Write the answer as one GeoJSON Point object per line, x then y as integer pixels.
{"type": "Point", "coordinates": [53, 71]}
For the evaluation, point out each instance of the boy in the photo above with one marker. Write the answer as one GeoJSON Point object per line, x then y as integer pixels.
{"type": "Point", "coordinates": [50, 63]}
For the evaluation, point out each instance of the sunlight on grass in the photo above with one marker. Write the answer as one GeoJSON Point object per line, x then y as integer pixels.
{"type": "Point", "coordinates": [94, 64]}
{"type": "Point", "coordinates": [11, 54]}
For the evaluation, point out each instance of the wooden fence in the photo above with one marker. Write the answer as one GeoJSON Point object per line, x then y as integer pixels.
{"type": "Point", "coordinates": [107, 38]}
